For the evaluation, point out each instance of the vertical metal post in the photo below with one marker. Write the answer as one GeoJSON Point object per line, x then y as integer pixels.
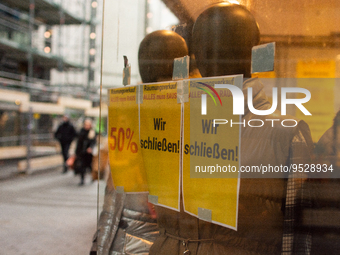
{"type": "Point", "coordinates": [29, 138]}
{"type": "Point", "coordinates": [83, 51]}
{"type": "Point", "coordinates": [92, 45]}
{"type": "Point", "coordinates": [22, 128]}
{"type": "Point", "coordinates": [146, 21]}
{"type": "Point", "coordinates": [30, 35]}
{"type": "Point", "coordinates": [60, 46]}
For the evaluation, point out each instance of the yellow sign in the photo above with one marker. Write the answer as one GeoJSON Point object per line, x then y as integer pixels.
{"type": "Point", "coordinates": [164, 144]}
{"type": "Point", "coordinates": [270, 74]}
{"type": "Point", "coordinates": [318, 78]}
{"type": "Point", "coordinates": [125, 154]}
{"type": "Point", "coordinates": [160, 126]}
{"type": "Point", "coordinates": [315, 69]}
{"type": "Point", "coordinates": [36, 116]}
{"type": "Point", "coordinates": [211, 153]}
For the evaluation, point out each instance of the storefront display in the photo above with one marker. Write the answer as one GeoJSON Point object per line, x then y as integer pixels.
{"type": "Point", "coordinates": [230, 160]}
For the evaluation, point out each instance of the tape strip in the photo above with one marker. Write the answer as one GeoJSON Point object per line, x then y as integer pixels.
{"type": "Point", "coordinates": [181, 68]}
{"type": "Point", "coordinates": [262, 58]}
{"type": "Point", "coordinates": [204, 214]}
{"type": "Point", "coordinates": [238, 81]}
{"type": "Point", "coordinates": [127, 75]}
{"type": "Point", "coordinates": [120, 189]}
{"type": "Point", "coordinates": [182, 91]}
{"type": "Point", "coordinates": [153, 199]}
{"type": "Point", "coordinates": [139, 96]}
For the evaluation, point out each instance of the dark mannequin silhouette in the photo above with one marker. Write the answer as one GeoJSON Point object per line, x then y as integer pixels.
{"type": "Point", "coordinates": [156, 55]}
{"type": "Point", "coordinates": [223, 36]}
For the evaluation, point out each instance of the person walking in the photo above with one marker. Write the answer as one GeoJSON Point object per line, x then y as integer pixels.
{"type": "Point", "coordinates": [84, 149]}
{"type": "Point", "coordinates": [65, 135]}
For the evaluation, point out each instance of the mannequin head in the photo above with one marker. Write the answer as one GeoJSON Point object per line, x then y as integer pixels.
{"type": "Point", "coordinates": [223, 36]}
{"type": "Point", "coordinates": [156, 55]}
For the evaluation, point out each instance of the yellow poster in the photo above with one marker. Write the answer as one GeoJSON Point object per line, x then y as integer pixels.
{"type": "Point", "coordinates": [125, 154]}
{"type": "Point", "coordinates": [211, 152]}
{"type": "Point", "coordinates": [318, 77]}
{"type": "Point", "coordinates": [160, 125]}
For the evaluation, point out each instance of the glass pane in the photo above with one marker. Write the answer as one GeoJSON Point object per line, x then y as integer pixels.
{"type": "Point", "coordinates": [223, 163]}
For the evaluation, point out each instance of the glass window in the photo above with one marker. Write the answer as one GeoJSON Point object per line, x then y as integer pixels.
{"type": "Point", "coordinates": [245, 166]}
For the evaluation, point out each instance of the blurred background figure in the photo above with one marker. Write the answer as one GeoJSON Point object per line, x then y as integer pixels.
{"type": "Point", "coordinates": [84, 149]}
{"type": "Point", "coordinates": [65, 135]}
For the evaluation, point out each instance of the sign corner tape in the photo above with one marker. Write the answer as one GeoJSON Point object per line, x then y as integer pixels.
{"type": "Point", "coordinates": [120, 189]}
{"type": "Point", "coordinates": [204, 214]}
{"type": "Point", "coordinates": [153, 199]}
